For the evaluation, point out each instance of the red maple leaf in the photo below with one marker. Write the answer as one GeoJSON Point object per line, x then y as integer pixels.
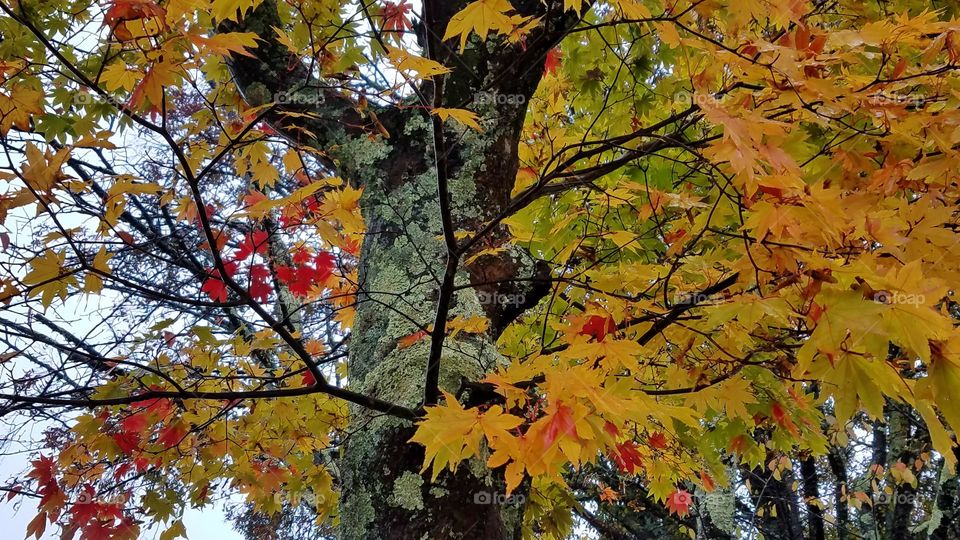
{"type": "Point", "coordinates": [127, 528]}
{"type": "Point", "coordinates": [657, 440]}
{"type": "Point", "coordinates": [135, 423]}
{"type": "Point", "coordinates": [131, 10]}
{"type": "Point", "coordinates": [309, 379]}
{"type": "Point", "coordinates": [121, 470]}
{"type": "Point", "coordinates": [142, 463]}
{"type": "Point", "coordinates": [127, 441]}
{"type": "Point", "coordinates": [97, 530]}
{"type": "Point", "coordinates": [85, 507]}
{"type": "Point", "coordinates": [216, 289]}
{"type": "Point", "coordinates": [302, 256]}
{"type": "Point", "coordinates": [679, 501]}
{"type": "Point", "coordinates": [171, 435]}
{"type": "Point", "coordinates": [598, 326]}
{"type": "Point", "coordinates": [560, 423]}
{"type": "Point", "coordinates": [214, 286]}
{"type": "Point", "coordinates": [302, 278]}
{"type": "Point", "coordinates": [300, 286]}
{"type": "Point", "coordinates": [395, 16]}
{"type": "Point", "coordinates": [627, 457]}
{"type": "Point", "coordinates": [553, 60]}
{"type": "Point", "coordinates": [254, 242]}
{"type": "Point", "coordinates": [43, 469]}
{"type": "Point", "coordinates": [259, 271]}
{"type": "Point", "coordinates": [253, 198]}
{"type": "Point", "coordinates": [324, 262]}
{"type": "Point", "coordinates": [260, 290]}
{"type": "Point", "coordinates": [783, 419]}
{"type": "Point", "coordinates": [159, 407]}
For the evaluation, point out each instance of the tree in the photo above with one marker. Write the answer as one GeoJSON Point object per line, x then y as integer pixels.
{"type": "Point", "coordinates": [477, 269]}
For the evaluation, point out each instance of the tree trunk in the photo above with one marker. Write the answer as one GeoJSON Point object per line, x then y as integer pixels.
{"type": "Point", "coordinates": [403, 263]}
{"type": "Point", "coordinates": [811, 492]}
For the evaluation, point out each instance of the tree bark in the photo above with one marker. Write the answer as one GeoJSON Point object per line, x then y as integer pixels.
{"type": "Point", "coordinates": [811, 492]}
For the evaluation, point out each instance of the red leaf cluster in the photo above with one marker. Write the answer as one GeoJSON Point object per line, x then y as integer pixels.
{"type": "Point", "coordinates": [306, 272]}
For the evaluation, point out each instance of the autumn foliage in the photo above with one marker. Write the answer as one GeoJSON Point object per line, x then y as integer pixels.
{"type": "Point", "coordinates": [741, 215]}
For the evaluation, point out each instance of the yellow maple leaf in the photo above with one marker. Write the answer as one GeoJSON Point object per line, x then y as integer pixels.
{"type": "Point", "coordinates": [463, 116]}
{"type": "Point", "coordinates": [405, 61]}
{"type": "Point", "coordinates": [471, 325]}
{"type": "Point", "coordinates": [93, 283]}
{"type": "Point", "coordinates": [232, 10]}
{"type": "Point", "coordinates": [227, 43]}
{"type": "Point", "coordinates": [48, 277]}
{"type": "Point", "coordinates": [449, 434]}
{"type": "Point", "coordinates": [117, 76]}
{"type": "Point", "coordinates": [482, 17]}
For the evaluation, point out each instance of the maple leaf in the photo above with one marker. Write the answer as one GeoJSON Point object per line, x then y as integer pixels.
{"type": "Point", "coordinates": [607, 494]}
{"type": "Point", "coordinates": [482, 17]}
{"type": "Point", "coordinates": [395, 16]}
{"type": "Point", "coordinates": [627, 457]}
{"type": "Point", "coordinates": [215, 288]}
{"type": "Point", "coordinates": [232, 10]}
{"type": "Point", "coordinates": [782, 418]}
{"type": "Point", "coordinates": [149, 91]}
{"type": "Point", "coordinates": [253, 242]}
{"type": "Point", "coordinates": [598, 326]}
{"type": "Point", "coordinates": [18, 106]}
{"type": "Point", "coordinates": [552, 61]}
{"type": "Point", "coordinates": [44, 469]}
{"type": "Point", "coordinates": [127, 441]}
{"type": "Point", "coordinates": [85, 508]}
{"type": "Point", "coordinates": [37, 526]}
{"type": "Point", "coordinates": [324, 263]}
{"type": "Point", "coordinates": [303, 278]}
{"type": "Point", "coordinates": [406, 62]}
{"type": "Point", "coordinates": [657, 440]}
{"type": "Point", "coordinates": [171, 434]}
{"type": "Point", "coordinates": [560, 423]}
{"type": "Point", "coordinates": [176, 530]}
{"type": "Point", "coordinates": [408, 340]}
{"type": "Point", "coordinates": [48, 278]}
{"type": "Point", "coordinates": [122, 11]}
{"type": "Point", "coordinates": [227, 43]}
{"type": "Point", "coordinates": [463, 116]}
{"type": "Point", "coordinates": [260, 290]}
{"type": "Point", "coordinates": [449, 434]}
{"type": "Point", "coordinates": [678, 502]}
